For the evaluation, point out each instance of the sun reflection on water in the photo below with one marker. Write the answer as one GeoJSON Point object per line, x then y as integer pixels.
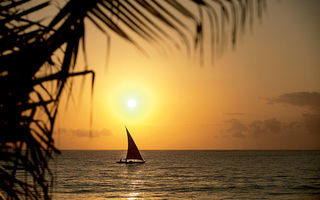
{"type": "Point", "coordinates": [134, 179]}
{"type": "Point", "coordinates": [134, 195]}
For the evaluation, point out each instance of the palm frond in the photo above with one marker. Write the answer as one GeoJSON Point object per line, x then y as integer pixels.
{"type": "Point", "coordinates": [34, 53]}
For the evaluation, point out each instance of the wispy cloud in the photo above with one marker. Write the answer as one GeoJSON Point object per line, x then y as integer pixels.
{"type": "Point", "coordinates": [309, 123]}
{"type": "Point", "coordinates": [234, 113]}
{"type": "Point", "coordinates": [259, 127]}
{"type": "Point", "coordinates": [237, 128]}
{"type": "Point", "coordinates": [306, 99]}
{"type": "Point", "coordinates": [255, 128]}
{"type": "Point", "coordinates": [86, 132]}
{"type": "Point", "coordinates": [312, 123]}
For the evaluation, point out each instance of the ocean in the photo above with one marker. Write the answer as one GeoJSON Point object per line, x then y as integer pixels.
{"type": "Point", "coordinates": [188, 175]}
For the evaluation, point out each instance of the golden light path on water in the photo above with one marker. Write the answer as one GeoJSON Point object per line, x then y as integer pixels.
{"type": "Point", "coordinates": [131, 102]}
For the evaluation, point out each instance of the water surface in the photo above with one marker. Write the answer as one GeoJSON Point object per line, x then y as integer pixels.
{"type": "Point", "coordinates": [189, 175]}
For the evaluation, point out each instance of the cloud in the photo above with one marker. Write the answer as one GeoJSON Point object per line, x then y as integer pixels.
{"type": "Point", "coordinates": [234, 113]}
{"type": "Point", "coordinates": [258, 127]}
{"type": "Point", "coordinates": [305, 99]}
{"type": "Point", "coordinates": [308, 123]}
{"type": "Point", "coordinates": [255, 128]}
{"type": "Point", "coordinates": [237, 128]}
{"type": "Point", "coordinates": [312, 123]}
{"type": "Point", "coordinates": [86, 132]}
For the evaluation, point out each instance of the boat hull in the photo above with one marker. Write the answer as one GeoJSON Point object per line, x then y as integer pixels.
{"type": "Point", "coordinates": [131, 162]}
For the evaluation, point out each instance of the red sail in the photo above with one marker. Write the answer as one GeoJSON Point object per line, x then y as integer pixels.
{"type": "Point", "coordinates": [133, 152]}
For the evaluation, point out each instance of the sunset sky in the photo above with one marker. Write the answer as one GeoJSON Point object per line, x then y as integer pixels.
{"type": "Point", "coordinates": [263, 94]}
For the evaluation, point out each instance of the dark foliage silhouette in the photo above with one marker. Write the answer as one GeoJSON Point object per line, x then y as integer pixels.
{"type": "Point", "coordinates": [38, 56]}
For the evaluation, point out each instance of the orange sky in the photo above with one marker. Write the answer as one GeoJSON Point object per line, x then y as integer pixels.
{"type": "Point", "coordinates": [265, 94]}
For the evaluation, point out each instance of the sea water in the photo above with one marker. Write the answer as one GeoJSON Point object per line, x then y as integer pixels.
{"type": "Point", "coordinates": [188, 175]}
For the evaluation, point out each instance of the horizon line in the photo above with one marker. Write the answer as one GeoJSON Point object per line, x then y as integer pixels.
{"type": "Point", "coordinates": [192, 149]}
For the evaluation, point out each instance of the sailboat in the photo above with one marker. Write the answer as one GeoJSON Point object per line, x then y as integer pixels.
{"type": "Point", "coordinates": [133, 154]}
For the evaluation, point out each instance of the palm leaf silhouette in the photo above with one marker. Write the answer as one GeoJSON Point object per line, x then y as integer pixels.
{"type": "Point", "coordinates": [35, 53]}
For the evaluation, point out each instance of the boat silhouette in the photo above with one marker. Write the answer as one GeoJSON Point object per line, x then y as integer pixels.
{"type": "Point", "coordinates": [133, 153]}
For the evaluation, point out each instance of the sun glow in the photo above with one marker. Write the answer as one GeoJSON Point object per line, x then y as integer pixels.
{"type": "Point", "coordinates": [132, 103]}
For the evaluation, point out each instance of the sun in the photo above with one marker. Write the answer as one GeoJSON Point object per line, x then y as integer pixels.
{"type": "Point", "coordinates": [132, 103]}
